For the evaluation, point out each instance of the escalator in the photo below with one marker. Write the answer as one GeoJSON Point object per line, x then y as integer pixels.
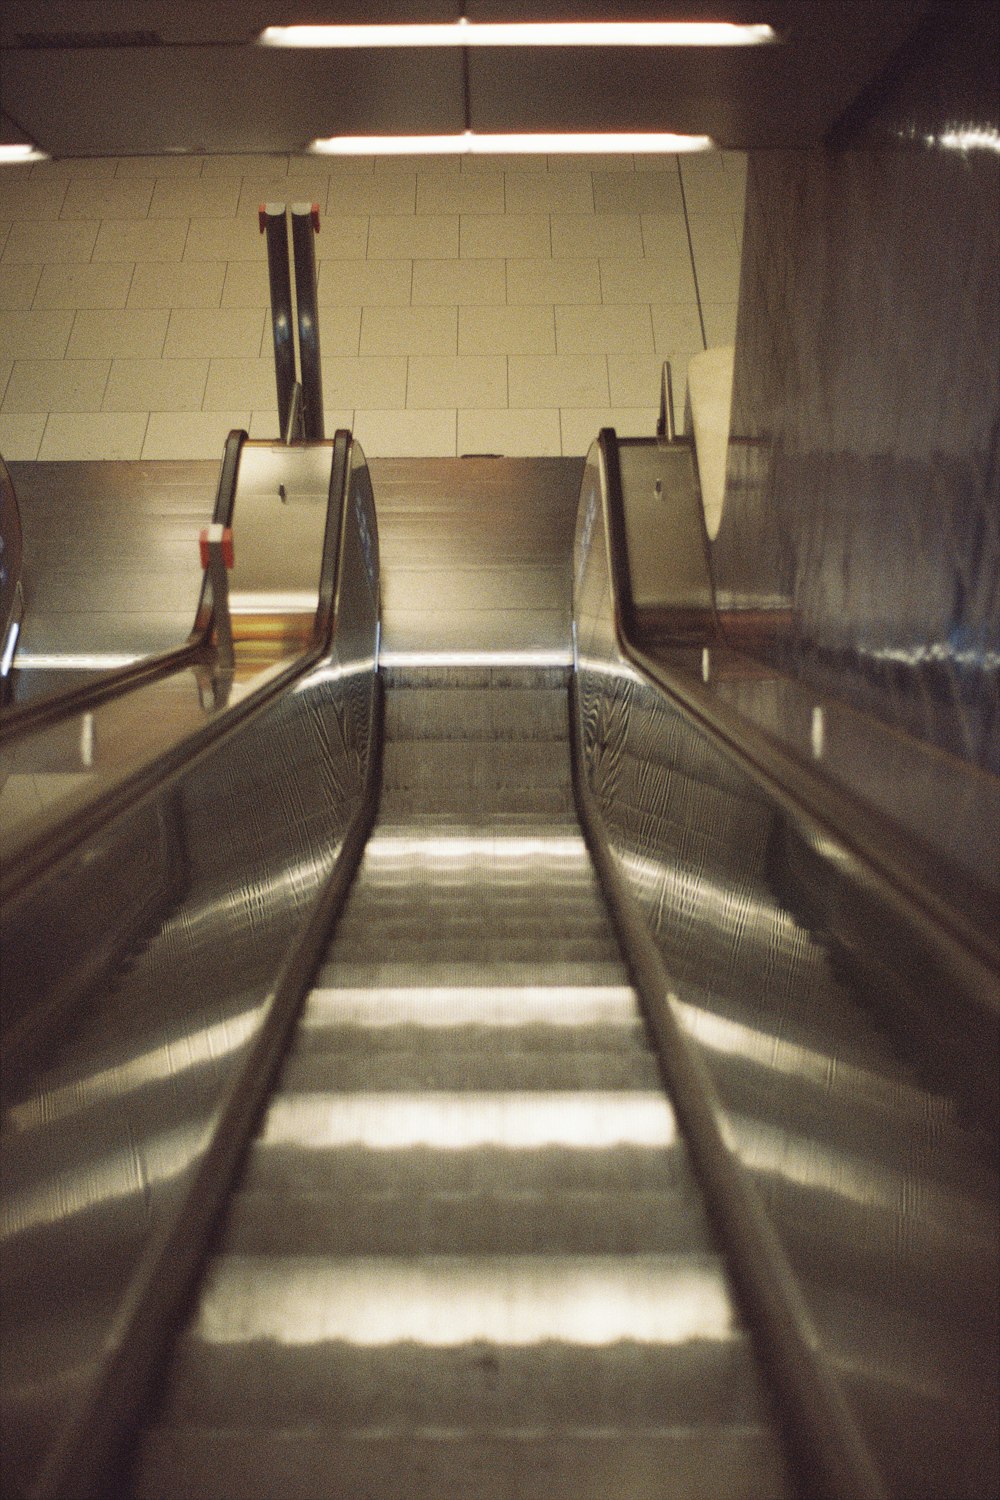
{"type": "Point", "coordinates": [467, 1254]}
{"type": "Point", "coordinates": [439, 1143]}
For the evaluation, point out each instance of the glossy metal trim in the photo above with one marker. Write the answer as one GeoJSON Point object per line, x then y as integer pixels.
{"type": "Point", "coordinates": [31, 717]}
{"type": "Point", "coordinates": [333, 537]}
{"type": "Point", "coordinates": [665, 422]}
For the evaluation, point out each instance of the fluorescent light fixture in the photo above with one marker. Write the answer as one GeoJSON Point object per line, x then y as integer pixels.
{"type": "Point", "coordinates": [15, 153]}
{"type": "Point", "coordinates": [468, 143]}
{"type": "Point", "coordinates": [465, 33]}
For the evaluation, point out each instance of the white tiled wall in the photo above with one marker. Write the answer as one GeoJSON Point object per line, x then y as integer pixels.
{"type": "Point", "coordinates": [512, 305]}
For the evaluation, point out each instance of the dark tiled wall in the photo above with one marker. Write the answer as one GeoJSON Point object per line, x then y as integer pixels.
{"type": "Point", "coordinates": [864, 467]}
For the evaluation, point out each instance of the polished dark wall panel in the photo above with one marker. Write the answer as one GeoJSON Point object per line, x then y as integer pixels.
{"type": "Point", "coordinates": [863, 488]}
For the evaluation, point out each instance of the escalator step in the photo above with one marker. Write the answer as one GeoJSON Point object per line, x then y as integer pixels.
{"type": "Point", "coordinates": [738, 1462]}
{"type": "Point", "coordinates": [531, 1221]}
{"type": "Point", "coordinates": [489, 1070]}
{"type": "Point", "coordinates": [511, 714]}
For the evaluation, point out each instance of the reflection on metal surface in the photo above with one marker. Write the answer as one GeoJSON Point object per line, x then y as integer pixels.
{"type": "Point", "coordinates": [860, 485]}
{"type": "Point", "coordinates": [188, 1050]}
{"type": "Point", "coordinates": [331, 672]}
{"type": "Point", "coordinates": [407, 846]}
{"type": "Point", "coordinates": [670, 584]}
{"type": "Point", "coordinates": [280, 890]}
{"type": "Point", "coordinates": [52, 1203]}
{"type": "Point", "coordinates": [459, 1121]}
{"type": "Point", "coordinates": [439, 1006]}
{"type": "Point", "coordinates": [864, 1180]}
{"type": "Point", "coordinates": [519, 1300]}
{"type": "Point", "coordinates": [958, 138]}
{"type": "Point", "coordinates": [715, 903]}
{"type": "Point", "coordinates": [9, 647]}
{"type": "Point", "coordinates": [817, 733]}
{"type": "Point", "coordinates": [776, 1054]}
{"type": "Point", "coordinates": [280, 511]}
{"type": "Point", "coordinates": [87, 740]}
{"type": "Point", "coordinates": [87, 661]}
{"type": "Point", "coordinates": [621, 672]}
{"type": "Point", "coordinates": [541, 657]}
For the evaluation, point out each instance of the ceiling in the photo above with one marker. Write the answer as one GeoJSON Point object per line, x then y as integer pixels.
{"type": "Point", "coordinates": [137, 77]}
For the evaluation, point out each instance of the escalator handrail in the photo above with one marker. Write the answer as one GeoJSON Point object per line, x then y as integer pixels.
{"type": "Point", "coordinates": [37, 858]}
{"type": "Point", "coordinates": [826, 1445]}
{"type": "Point", "coordinates": [11, 553]}
{"type": "Point", "coordinates": [889, 860]}
{"type": "Point", "coordinates": [828, 1451]}
{"type": "Point", "coordinates": [86, 1460]}
{"type": "Point", "coordinates": [44, 712]}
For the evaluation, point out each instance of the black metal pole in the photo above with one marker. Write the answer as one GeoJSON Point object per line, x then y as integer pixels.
{"type": "Point", "coordinates": [305, 223]}
{"type": "Point", "coordinates": [273, 225]}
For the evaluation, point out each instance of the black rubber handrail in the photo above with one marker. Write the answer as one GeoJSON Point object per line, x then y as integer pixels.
{"type": "Point", "coordinates": [38, 858]}
{"type": "Point", "coordinates": [44, 712]}
{"type": "Point", "coordinates": [11, 554]}
{"type": "Point", "coordinates": [273, 225]}
{"type": "Point", "coordinates": [305, 226]}
{"type": "Point", "coordinates": [86, 1463]}
{"type": "Point", "coordinates": [829, 1453]}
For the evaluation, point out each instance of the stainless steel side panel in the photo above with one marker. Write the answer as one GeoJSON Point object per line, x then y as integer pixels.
{"type": "Point", "coordinates": [664, 528]}
{"type": "Point", "coordinates": [99, 1145]}
{"type": "Point", "coordinates": [881, 1184]}
{"type": "Point", "coordinates": [280, 512]}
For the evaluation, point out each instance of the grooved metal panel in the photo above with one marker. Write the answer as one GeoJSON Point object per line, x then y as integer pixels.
{"type": "Point", "coordinates": [476, 554]}
{"type": "Point", "coordinates": [111, 553]}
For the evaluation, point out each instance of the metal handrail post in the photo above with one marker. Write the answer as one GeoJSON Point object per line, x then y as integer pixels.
{"type": "Point", "coordinates": [665, 425]}
{"type": "Point", "coordinates": [273, 225]}
{"type": "Point", "coordinates": [305, 224]}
